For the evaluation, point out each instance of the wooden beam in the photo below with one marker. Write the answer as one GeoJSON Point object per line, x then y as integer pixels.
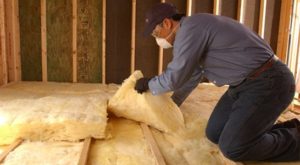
{"type": "Point", "coordinates": [241, 11]}
{"type": "Point", "coordinates": [295, 30]}
{"type": "Point", "coordinates": [217, 7]}
{"type": "Point", "coordinates": [74, 39]}
{"type": "Point", "coordinates": [16, 38]}
{"type": "Point", "coordinates": [160, 60]}
{"type": "Point", "coordinates": [85, 151]}
{"type": "Point", "coordinates": [298, 52]}
{"type": "Point", "coordinates": [4, 79]}
{"type": "Point", "coordinates": [103, 41]}
{"type": "Point", "coordinates": [153, 145]}
{"type": "Point", "coordinates": [262, 18]}
{"type": "Point", "coordinates": [13, 40]}
{"type": "Point", "coordinates": [44, 40]}
{"type": "Point", "coordinates": [161, 54]}
{"type": "Point", "coordinates": [8, 4]}
{"type": "Point", "coordinates": [189, 7]}
{"type": "Point", "coordinates": [133, 30]}
{"type": "Point", "coordinates": [10, 148]}
{"type": "Point", "coordinates": [284, 25]}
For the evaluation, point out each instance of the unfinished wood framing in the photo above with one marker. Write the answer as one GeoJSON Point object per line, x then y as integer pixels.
{"type": "Point", "coordinates": [217, 7]}
{"type": "Point", "coordinates": [294, 41]}
{"type": "Point", "coordinates": [44, 40]}
{"type": "Point", "coordinates": [189, 7]}
{"type": "Point", "coordinates": [16, 40]}
{"type": "Point", "coordinates": [103, 41]}
{"type": "Point", "coordinates": [297, 74]}
{"type": "Point", "coordinates": [125, 50]}
{"type": "Point", "coordinates": [241, 11]}
{"type": "Point", "coordinates": [9, 39]}
{"type": "Point", "coordinates": [283, 37]}
{"type": "Point", "coordinates": [272, 23]}
{"type": "Point", "coordinates": [85, 151]}
{"type": "Point", "coordinates": [160, 60]}
{"type": "Point", "coordinates": [160, 55]}
{"type": "Point", "coordinates": [297, 51]}
{"type": "Point", "coordinates": [74, 39]}
{"type": "Point", "coordinates": [10, 148]}
{"type": "Point", "coordinates": [3, 74]}
{"type": "Point", "coordinates": [12, 40]}
{"type": "Point", "coordinates": [153, 145]}
{"type": "Point", "coordinates": [133, 31]}
{"type": "Point", "coordinates": [262, 18]}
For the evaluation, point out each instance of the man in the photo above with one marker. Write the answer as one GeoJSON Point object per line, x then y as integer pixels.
{"type": "Point", "coordinates": [227, 53]}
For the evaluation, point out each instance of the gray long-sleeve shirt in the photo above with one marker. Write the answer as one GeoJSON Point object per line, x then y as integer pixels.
{"type": "Point", "coordinates": [216, 47]}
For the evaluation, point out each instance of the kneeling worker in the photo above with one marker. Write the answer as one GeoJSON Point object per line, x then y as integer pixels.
{"type": "Point", "coordinates": [227, 53]}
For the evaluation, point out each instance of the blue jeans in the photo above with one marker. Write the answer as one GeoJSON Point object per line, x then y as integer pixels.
{"type": "Point", "coordinates": [241, 123]}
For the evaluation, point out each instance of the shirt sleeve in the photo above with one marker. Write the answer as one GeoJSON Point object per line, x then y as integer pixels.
{"type": "Point", "coordinates": [182, 93]}
{"type": "Point", "coordinates": [190, 44]}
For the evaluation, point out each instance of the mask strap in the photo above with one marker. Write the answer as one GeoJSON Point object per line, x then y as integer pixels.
{"type": "Point", "coordinates": [172, 31]}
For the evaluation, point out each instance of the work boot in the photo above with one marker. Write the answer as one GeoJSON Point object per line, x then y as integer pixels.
{"type": "Point", "coordinates": [293, 123]}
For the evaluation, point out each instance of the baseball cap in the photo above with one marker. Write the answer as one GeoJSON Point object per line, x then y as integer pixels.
{"type": "Point", "coordinates": [157, 14]}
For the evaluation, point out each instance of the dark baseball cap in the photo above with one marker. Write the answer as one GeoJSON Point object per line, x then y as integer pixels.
{"type": "Point", "coordinates": [157, 14]}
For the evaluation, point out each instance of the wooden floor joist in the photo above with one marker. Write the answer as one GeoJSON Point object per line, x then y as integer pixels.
{"type": "Point", "coordinates": [10, 148]}
{"type": "Point", "coordinates": [153, 145]}
{"type": "Point", "coordinates": [85, 151]}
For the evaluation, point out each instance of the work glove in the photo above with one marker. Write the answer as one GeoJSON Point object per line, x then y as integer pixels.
{"type": "Point", "coordinates": [142, 85]}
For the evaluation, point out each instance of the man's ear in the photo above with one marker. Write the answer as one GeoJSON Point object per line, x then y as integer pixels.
{"type": "Point", "coordinates": [167, 23]}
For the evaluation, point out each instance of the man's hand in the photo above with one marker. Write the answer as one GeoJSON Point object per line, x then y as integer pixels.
{"type": "Point", "coordinates": [142, 85]}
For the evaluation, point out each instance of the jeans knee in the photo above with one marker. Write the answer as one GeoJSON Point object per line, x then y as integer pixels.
{"type": "Point", "coordinates": [212, 136]}
{"type": "Point", "coordinates": [230, 153]}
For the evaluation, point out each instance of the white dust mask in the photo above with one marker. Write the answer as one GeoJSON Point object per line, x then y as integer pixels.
{"type": "Point", "coordinates": [162, 42]}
